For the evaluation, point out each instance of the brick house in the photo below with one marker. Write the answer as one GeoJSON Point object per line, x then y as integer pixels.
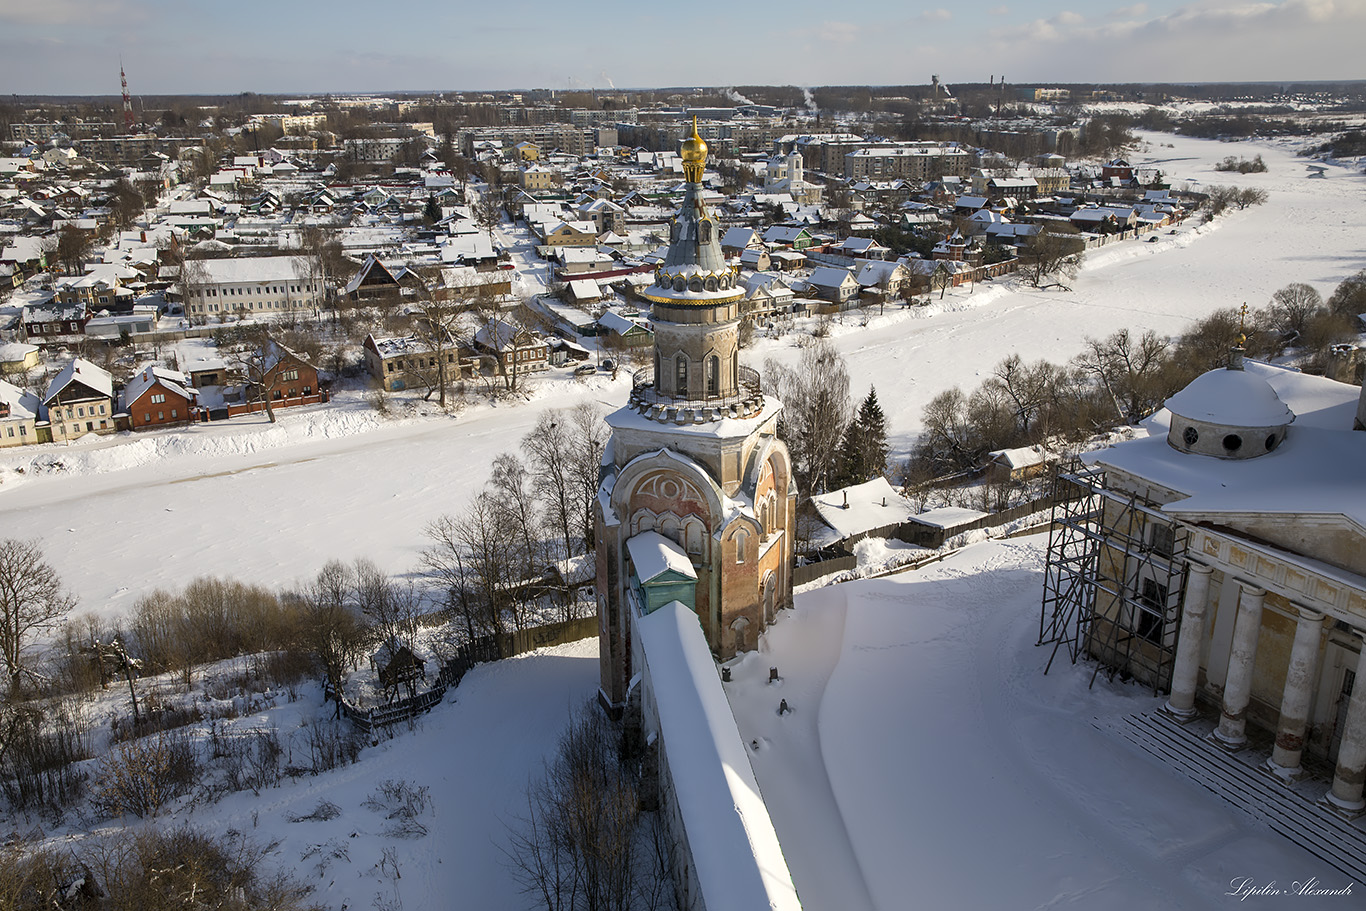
{"type": "Point", "coordinates": [158, 397]}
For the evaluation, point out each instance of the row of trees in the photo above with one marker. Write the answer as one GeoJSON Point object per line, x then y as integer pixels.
{"type": "Point", "coordinates": [488, 561]}
{"type": "Point", "coordinates": [1121, 379]}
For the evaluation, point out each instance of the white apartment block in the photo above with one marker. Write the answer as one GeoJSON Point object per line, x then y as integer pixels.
{"type": "Point", "coordinates": [912, 161]}
{"type": "Point", "coordinates": [219, 289]}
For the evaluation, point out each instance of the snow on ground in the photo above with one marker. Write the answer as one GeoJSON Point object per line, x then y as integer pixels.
{"type": "Point", "coordinates": [264, 504]}
{"type": "Point", "coordinates": [473, 754]}
{"type": "Point", "coordinates": [927, 761]}
{"type": "Point", "coordinates": [270, 504]}
{"type": "Point", "coordinates": [1309, 231]}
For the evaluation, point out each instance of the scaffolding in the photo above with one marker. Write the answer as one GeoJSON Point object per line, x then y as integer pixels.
{"type": "Point", "coordinates": [1114, 580]}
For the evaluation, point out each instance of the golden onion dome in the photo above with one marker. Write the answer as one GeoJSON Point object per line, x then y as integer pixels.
{"type": "Point", "coordinates": [694, 147]}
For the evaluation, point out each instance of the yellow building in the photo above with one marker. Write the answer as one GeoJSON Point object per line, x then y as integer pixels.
{"type": "Point", "coordinates": [1222, 559]}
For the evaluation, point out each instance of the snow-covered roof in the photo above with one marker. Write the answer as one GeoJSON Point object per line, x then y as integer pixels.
{"type": "Point", "coordinates": [1022, 457]}
{"type": "Point", "coordinates": [829, 276]}
{"type": "Point", "coordinates": [1233, 398]}
{"type": "Point", "coordinates": [735, 850]}
{"type": "Point", "coordinates": [653, 555]}
{"type": "Point", "coordinates": [585, 289]}
{"type": "Point", "coordinates": [615, 322]}
{"type": "Point", "coordinates": [873, 504]}
{"type": "Point", "coordinates": [87, 374]}
{"type": "Point", "coordinates": [253, 269]}
{"type": "Point", "coordinates": [172, 381]}
{"type": "Point", "coordinates": [22, 405]}
{"type": "Point", "coordinates": [1316, 470]}
{"type": "Point", "coordinates": [948, 517]}
{"type": "Point", "coordinates": [15, 352]}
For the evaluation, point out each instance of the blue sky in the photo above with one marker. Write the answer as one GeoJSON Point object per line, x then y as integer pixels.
{"type": "Point", "coordinates": [192, 46]}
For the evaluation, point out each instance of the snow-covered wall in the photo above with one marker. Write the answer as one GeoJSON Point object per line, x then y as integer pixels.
{"type": "Point", "coordinates": [732, 858]}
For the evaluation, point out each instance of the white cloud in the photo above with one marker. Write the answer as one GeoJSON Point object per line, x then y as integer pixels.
{"type": "Point", "coordinates": [1129, 12]}
{"type": "Point", "coordinates": [936, 15]}
{"type": "Point", "coordinates": [999, 11]}
{"type": "Point", "coordinates": [832, 32]}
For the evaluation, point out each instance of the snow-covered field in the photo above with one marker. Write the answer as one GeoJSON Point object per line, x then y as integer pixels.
{"type": "Point", "coordinates": [467, 763]}
{"type": "Point", "coordinates": [928, 762]}
{"type": "Point", "coordinates": [271, 504]}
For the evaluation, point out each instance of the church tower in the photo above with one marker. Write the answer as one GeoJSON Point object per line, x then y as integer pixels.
{"type": "Point", "coordinates": [697, 502]}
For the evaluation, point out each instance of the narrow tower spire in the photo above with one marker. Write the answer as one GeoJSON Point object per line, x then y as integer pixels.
{"type": "Point", "coordinates": [127, 101]}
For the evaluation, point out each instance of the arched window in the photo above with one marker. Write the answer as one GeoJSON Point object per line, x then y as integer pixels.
{"type": "Point", "coordinates": [681, 375]}
{"type": "Point", "coordinates": [656, 368]}
{"type": "Point", "coordinates": [693, 532]}
{"type": "Point", "coordinates": [740, 537]}
{"type": "Point", "coordinates": [713, 375]}
{"type": "Point", "coordinates": [704, 231]}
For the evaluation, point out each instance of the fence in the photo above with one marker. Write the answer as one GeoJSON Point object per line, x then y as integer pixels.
{"type": "Point", "coordinates": [476, 651]}
{"type": "Point", "coordinates": [810, 572]}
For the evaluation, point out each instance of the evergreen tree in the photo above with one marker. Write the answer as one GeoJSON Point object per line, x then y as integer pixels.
{"type": "Point", "coordinates": [863, 451]}
{"type": "Point", "coordinates": [433, 210]}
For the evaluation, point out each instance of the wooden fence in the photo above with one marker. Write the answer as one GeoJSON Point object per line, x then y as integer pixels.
{"type": "Point", "coordinates": [476, 651]}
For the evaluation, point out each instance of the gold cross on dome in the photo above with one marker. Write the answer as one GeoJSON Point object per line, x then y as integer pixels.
{"type": "Point", "coordinates": [1242, 317]}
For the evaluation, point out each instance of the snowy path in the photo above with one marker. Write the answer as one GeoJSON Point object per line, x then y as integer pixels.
{"type": "Point", "coordinates": [962, 777]}
{"type": "Point", "coordinates": [788, 761]}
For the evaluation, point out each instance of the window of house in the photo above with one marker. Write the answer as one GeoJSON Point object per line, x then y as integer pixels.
{"type": "Point", "coordinates": [1162, 539]}
{"type": "Point", "coordinates": [174, 415]}
{"type": "Point", "coordinates": [10, 431]}
{"type": "Point", "coordinates": [80, 412]}
{"type": "Point", "coordinates": [23, 431]}
{"type": "Point", "coordinates": [161, 415]}
{"type": "Point", "coordinates": [1147, 619]}
{"type": "Point", "coordinates": [146, 417]}
{"type": "Point", "coordinates": [158, 398]}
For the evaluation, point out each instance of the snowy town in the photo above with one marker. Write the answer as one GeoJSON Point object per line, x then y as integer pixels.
{"type": "Point", "coordinates": [756, 496]}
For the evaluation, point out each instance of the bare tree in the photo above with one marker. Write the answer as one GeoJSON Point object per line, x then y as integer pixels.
{"type": "Point", "coordinates": [1051, 257]}
{"type": "Point", "coordinates": [549, 449]}
{"type": "Point", "coordinates": [488, 211]}
{"type": "Point", "coordinates": [590, 442]}
{"type": "Point", "coordinates": [1292, 308]}
{"type": "Point", "coordinates": [578, 846]}
{"type": "Point", "coordinates": [816, 409]}
{"type": "Point", "coordinates": [436, 323]}
{"type": "Point", "coordinates": [1349, 297]}
{"type": "Point", "coordinates": [32, 601]}
{"type": "Point", "coordinates": [1131, 370]}
{"type": "Point", "coordinates": [332, 632]}
{"type": "Point", "coordinates": [1029, 387]}
{"type": "Point", "coordinates": [474, 557]}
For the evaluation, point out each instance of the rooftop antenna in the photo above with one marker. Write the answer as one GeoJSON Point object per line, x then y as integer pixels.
{"type": "Point", "coordinates": [127, 101]}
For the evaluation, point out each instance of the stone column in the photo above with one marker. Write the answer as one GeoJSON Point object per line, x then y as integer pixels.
{"type": "Point", "coordinates": [1238, 686]}
{"type": "Point", "coordinates": [1351, 770]}
{"type": "Point", "coordinates": [1186, 671]}
{"type": "Point", "coordinates": [1299, 692]}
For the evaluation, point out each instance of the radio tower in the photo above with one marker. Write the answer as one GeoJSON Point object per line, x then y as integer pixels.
{"type": "Point", "coordinates": [127, 102]}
